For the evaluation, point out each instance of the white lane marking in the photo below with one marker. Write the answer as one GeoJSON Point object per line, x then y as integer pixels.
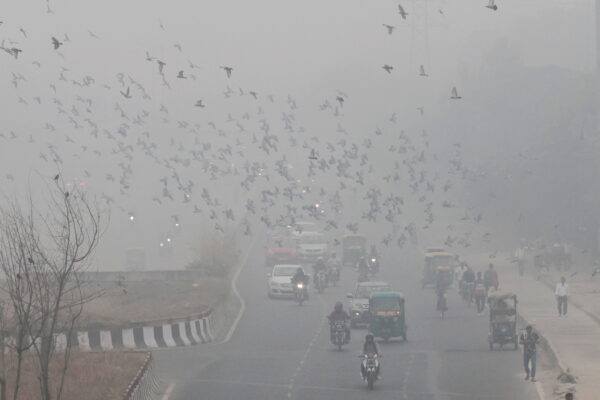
{"type": "Point", "coordinates": [168, 391]}
{"type": "Point", "coordinates": [540, 390]}
{"type": "Point", "coordinates": [237, 294]}
{"type": "Point", "coordinates": [292, 380]}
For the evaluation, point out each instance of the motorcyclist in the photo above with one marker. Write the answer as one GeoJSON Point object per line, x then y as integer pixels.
{"type": "Point", "coordinates": [369, 347]}
{"type": "Point", "coordinates": [319, 266]}
{"type": "Point", "coordinates": [490, 278]}
{"type": "Point", "coordinates": [440, 290]}
{"type": "Point", "coordinates": [362, 264]}
{"type": "Point", "coordinates": [468, 281]}
{"type": "Point", "coordinates": [338, 314]}
{"type": "Point", "coordinates": [334, 269]}
{"type": "Point", "coordinates": [480, 293]}
{"type": "Point", "coordinates": [300, 276]}
{"type": "Point", "coordinates": [374, 260]}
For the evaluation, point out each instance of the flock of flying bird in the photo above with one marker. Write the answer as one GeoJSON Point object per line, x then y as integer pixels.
{"type": "Point", "coordinates": [260, 146]}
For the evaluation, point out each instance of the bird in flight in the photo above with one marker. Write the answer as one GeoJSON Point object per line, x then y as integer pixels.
{"type": "Point", "coordinates": [422, 71]}
{"type": "Point", "coordinates": [388, 68]}
{"type": "Point", "coordinates": [56, 43]}
{"type": "Point", "coordinates": [492, 5]}
{"type": "Point", "coordinates": [180, 75]}
{"type": "Point", "coordinates": [454, 94]}
{"type": "Point", "coordinates": [200, 104]}
{"type": "Point", "coordinates": [401, 11]}
{"type": "Point", "coordinates": [228, 70]}
{"type": "Point", "coordinates": [126, 94]}
{"type": "Point", "coordinates": [390, 28]}
{"type": "Point", "coordinates": [313, 155]}
{"type": "Point", "coordinates": [161, 65]}
{"type": "Point", "coordinates": [340, 100]}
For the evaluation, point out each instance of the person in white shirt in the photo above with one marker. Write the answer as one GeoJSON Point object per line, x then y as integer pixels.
{"type": "Point", "coordinates": [562, 294]}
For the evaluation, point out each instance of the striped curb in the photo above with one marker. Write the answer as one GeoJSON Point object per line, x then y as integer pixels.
{"type": "Point", "coordinates": [176, 334]}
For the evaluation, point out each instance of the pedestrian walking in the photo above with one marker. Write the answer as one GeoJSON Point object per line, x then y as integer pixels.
{"type": "Point", "coordinates": [529, 341]}
{"type": "Point", "coordinates": [480, 293]}
{"type": "Point", "coordinates": [562, 294]}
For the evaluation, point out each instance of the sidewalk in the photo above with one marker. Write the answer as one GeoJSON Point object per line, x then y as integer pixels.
{"type": "Point", "coordinates": [574, 339]}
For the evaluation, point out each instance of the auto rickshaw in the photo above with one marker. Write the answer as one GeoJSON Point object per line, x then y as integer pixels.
{"type": "Point", "coordinates": [386, 315]}
{"type": "Point", "coordinates": [436, 264]}
{"type": "Point", "coordinates": [353, 248]}
{"type": "Point", "coordinates": [503, 319]}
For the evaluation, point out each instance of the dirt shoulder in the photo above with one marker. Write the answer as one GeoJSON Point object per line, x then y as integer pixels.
{"type": "Point", "coordinates": [135, 302]}
{"type": "Point", "coordinates": [90, 376]}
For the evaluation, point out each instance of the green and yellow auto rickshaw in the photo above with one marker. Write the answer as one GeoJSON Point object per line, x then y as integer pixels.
{"type": "Point", "coordinates": [386, 315]}
{"type": "Point", "coordinates": [438, 264]}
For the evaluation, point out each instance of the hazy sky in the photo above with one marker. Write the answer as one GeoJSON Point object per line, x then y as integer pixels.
{"type": "Point", "coordinates": [307, 49]}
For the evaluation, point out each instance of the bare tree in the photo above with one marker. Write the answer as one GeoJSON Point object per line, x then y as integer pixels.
{"type": "Point", "coordinates": [42, 251]}
{"type": "Point", "coordinates": [16, 254]}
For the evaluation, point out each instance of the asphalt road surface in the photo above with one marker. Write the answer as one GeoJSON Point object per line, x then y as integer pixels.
{"type": "Point", "coordinates": [282, 351]}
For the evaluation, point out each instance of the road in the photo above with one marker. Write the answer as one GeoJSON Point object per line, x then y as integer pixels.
{"type": "Point", "coordinates": [282, 351]}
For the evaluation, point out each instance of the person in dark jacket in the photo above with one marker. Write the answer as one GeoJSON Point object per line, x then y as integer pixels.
{"type": "Point", "coordinates": [338, 314]}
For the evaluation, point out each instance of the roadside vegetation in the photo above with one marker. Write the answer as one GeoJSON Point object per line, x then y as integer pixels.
{"type": "Point", "coordinates": [44, 243]}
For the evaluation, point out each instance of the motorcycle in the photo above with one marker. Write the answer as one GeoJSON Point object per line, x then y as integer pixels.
{"type": "Point", "coordinates": [374, 265]}
{"type": "Point", "coordinates": [334, 276]}
{"type": "Point", "coordinates": [441, 305]}
{"type": "Point", "coordinates": [320, 282]}
{"type": "Point", "coordinates": [338, 334]}
{"type": "Point", "coordinates": [300, 292]}
{"type": "Point", "coordinates": [370, 369]}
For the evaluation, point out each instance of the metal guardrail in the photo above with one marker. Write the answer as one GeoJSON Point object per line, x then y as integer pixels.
{"type": "Point", "coordinates": [145, 385]}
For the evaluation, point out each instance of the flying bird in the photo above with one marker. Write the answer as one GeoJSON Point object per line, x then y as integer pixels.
{"type": "Point", "coordinates": [492, 5]}
{"type": "Point", "coordinates": [390, 28]}
{"type": "Point", "coordinates": [422, 71]}
{"type": "Point", "coordinates": [161, 65]}
{"type": "Point", "coordinates": [388, 68]}
{"type": "Point", "coordinates": [228, 70]}
{"type": "Point", "coordinates": [199, 104]}
{"type": "Point", "coordinates": [454, 94]}
{"type": "Point", "coordinates": [401, 11]}
{"type": "Point", "coordinates": [126, 94]}
{"type": "Point", "coordinates": [56, 43]}
{"type": "Point", "coordinates": [180, 75]}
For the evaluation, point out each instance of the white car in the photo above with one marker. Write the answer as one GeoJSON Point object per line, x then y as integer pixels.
{"type": "Point", "coordinates": [311, 247]}
{"type": "Point", "coordinates": [280, 280]}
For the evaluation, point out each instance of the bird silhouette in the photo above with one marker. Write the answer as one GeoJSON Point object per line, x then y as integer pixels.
{"type": "Point", "coordinates": [454, 94]}
{"type": "Point", "coordinates": [388, 68]}
{"type": "Point", "coordinates": [228, 70]}
{"type": "Point", "coordinates": [199, 104]}
{"type": "Point", "coordinates": [401, 11]}
{"type": "Point", "coordinates": [390, 28]}
{"type": "Point", "coordinates": [422, 71]}
{"type": "Point", "coordinates": [492, 5]}
{"type": "Point", "coordinates": [56, 43]}
{"type": "Point", "coordinates": [126, 94]}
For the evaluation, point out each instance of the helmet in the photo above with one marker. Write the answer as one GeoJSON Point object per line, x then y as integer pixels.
{"type": "Point", "coordinates": [338, 306]}
{"type": "Point", "coordinates": [300, 270]}
{"type": "Point", "coordinates": [369, 338]}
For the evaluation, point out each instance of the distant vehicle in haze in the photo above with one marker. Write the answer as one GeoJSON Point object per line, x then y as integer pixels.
{"type": "Point", "coordinates": [280, 281]}
{"type": "Point", "coordinates": [136, 258]}
{"type": "Point", "coordinates": [281, 250]}
{"type": "Point", "coordinates": [303, 226]}
{"type": "Point", "coordinates": [311, 247]}
{"type": "Point", "coordinates": [353, 248]}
